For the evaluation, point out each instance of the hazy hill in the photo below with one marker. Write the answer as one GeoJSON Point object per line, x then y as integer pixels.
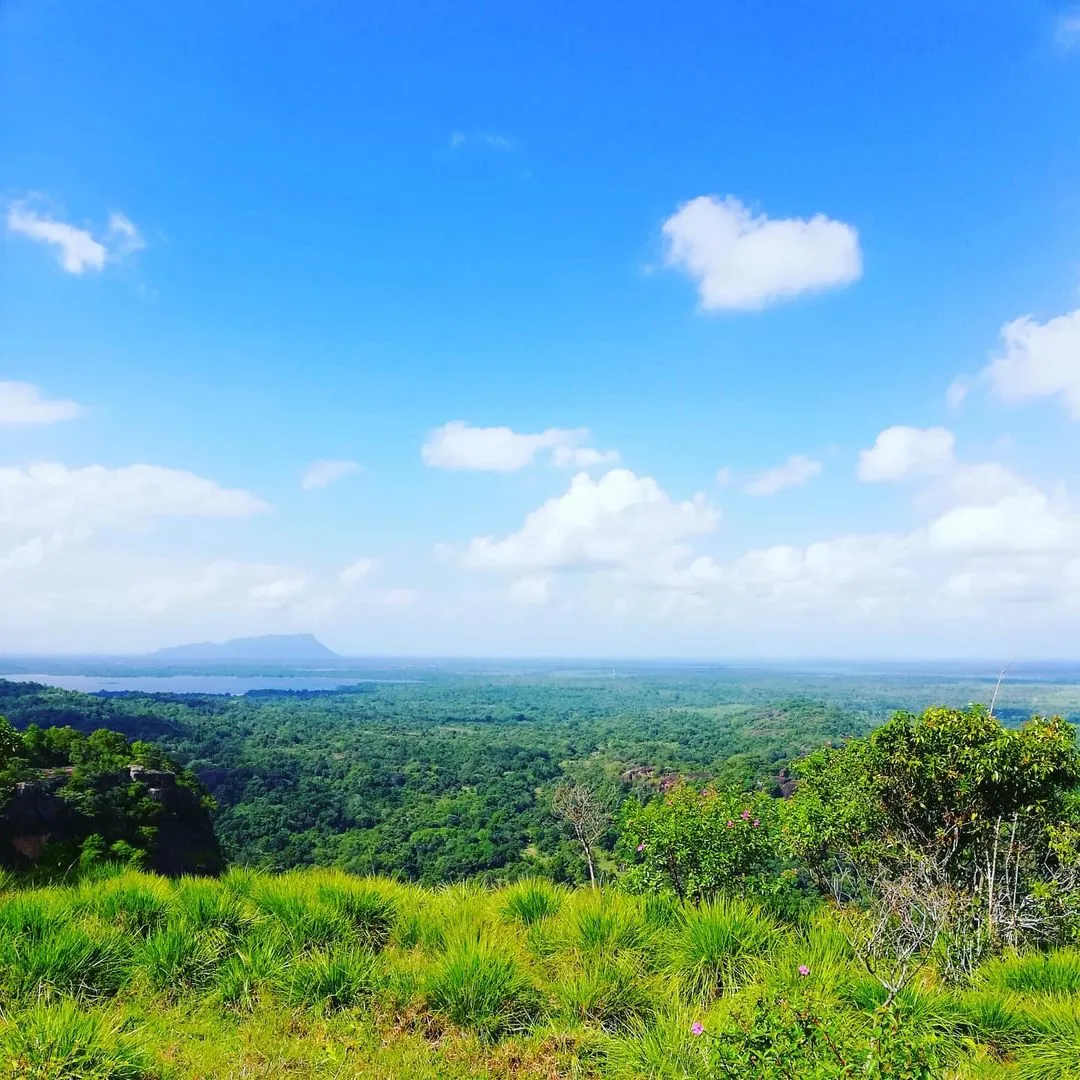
{"type": "Point", "coordinates": [267, 647]}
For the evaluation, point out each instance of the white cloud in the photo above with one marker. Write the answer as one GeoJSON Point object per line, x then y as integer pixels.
{"type": "Point", "coordinates": [321, 474]}
{"type": "Point", "coordinates": [277, 592]}
{"type": "Point", "coordinates": [459, 445]}
{"type": "Point", "coordinates": [1024, 522]}
{"type": "Point", "coordinates": [797, 470]}
{"type": "Point", "coordinates": [531, 589]}
{"type": "Point", "coordinates": [723, 476]}
{"type": "Point", "coordinates": [358, 571]}
{"type": "Point", "coordinates": [51, 498]}
{"type": "Point", "coordinates": [620, 520]}
{"type": "Point", "coordinates": [742, 261]}
{"type": "Point", "coordinates": [1039, 360]}
{"type": "Point", "coordinates": [79, 250]}
{"type": "Point", "coordinates": [486, 138]}
{"type": "Point", "coordinates": [957, 391]}
{"type": "Point", "coordinates": [1067, 29]}
{"type": "Point", "coordinates": [23, 403]}
{"type": "Point", "coordinates": [127, 239]}
{"type": "Point", "coordinates": [902, 452]}
{"type": "Point", "coordinates": [582, 457]}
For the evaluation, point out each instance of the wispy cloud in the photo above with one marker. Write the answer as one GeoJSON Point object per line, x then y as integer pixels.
{"type": "Point", "coordinates": [321, 474]}
{"type": "Point", "coordinates": [796, 471]}
{"type": "Point", "coordinates": [78, 249]}
{"type": "Point", "coordinates": [23, 404]}
{"type": "Point", "coordinates": [1067, 29]}
{"type": "Point", "coordinates": [483, 138]}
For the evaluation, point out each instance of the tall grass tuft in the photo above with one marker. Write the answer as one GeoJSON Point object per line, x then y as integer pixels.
{"type": "Point", "coordinates": [532, 899]}
{"type": "Point", "coordinates": [307, 921]}
{"type": "Point", "coordinates": [1035, 973]}
{"type": "Point", "coordinates": [479, 985]}
{"type": "Point", "coordinates": [255, 965]}
{"type": "Point", "coordinates": [715, 950]}
{"type": "Point", "coordinates": [610, 993]}
{"type": "Point", "coordinates": [1057, 1055]}
{"type": "Point", "coordinates": [134, 903]}
{"type": "Point", "coordinates": [370, 911]}
{"type": "Point", "coordinates": [70, 960]}
{"type": "Point", "coordinates": [329, 980]}
{"type": "Point", "coordinates": [603, 922]}
{"type": "Point", "coordinates": [203, 904]}
{"type": "Point", "coordinates": [177, 960]}
{"type": "Point", "coordinates": [60, 1042]}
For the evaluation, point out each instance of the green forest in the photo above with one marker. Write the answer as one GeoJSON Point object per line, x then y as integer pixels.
{"type": "Point", "coordinates": [571, 878]}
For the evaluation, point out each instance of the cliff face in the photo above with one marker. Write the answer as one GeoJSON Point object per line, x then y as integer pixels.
{"type": "Point", "coordinates": [38, 820]}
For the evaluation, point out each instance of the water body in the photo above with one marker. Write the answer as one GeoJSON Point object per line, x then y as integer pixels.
{"type": "Point", "coordinates": [189, 684]}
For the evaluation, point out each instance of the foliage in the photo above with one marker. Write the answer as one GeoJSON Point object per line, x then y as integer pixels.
{"type": "Point", "coordinates": [697, 843]}
{"type": "Point", "coordinates": [90, 806]}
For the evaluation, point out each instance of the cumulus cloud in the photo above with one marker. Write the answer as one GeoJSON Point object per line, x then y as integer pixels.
{"type": "Point", "coordinates": [619, 520]}
{"type": "Point", "coordinates": [902, 452]}
{"type": "Point", "coordinates": [321, 474]}
{"type": "Point", "coordinates": [52, 496]}
{"type": "Point", "coordinates": [744, 261]}
{"type": "Point", "coordinates": [24, 404]}
{"type": "Point", "coordinates": [1024, 522]}
{"type": "Point", "coordinates": [459, 445]}
{"type": "Point", "coordinates": [1039, 360]}
{"type": "Point", "coordinates": [797, 470]}
{"type": "Point", "coordinates": [78, 250]}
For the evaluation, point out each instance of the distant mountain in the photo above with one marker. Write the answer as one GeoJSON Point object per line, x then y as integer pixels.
{"type": "Point", "coordinates": [267, 647]}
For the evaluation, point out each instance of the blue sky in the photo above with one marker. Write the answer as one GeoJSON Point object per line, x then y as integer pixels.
{"type": "Point", "coordinates": [690, 287]}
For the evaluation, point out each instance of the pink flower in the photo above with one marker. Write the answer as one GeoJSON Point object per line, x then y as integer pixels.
{"type": "Point", "coordinates": [697, 1028]}
{"type": "Point", "coordinates": [641, 846]}
{"type": "Point", "coordinates": [731, 824]}
{"type": "Point", "coordinates": [804, 970]}
{"type": "Point", "coordinates": [756, 823]}
{"type": "Point", "coordinates": [745, 815]}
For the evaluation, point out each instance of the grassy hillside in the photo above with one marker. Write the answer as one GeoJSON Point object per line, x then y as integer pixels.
{"type": "Point", "coordinates": [322, 974]}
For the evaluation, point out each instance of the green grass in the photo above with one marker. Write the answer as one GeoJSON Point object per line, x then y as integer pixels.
{"type": "Point", "coordinates": [318, 974]}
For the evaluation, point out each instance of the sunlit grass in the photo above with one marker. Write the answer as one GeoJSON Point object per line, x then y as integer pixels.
{"type": "Point", "coordinates": [320, 973]}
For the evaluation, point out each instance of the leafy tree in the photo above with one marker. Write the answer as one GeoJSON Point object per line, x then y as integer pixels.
{"type": "Point", "coordinates": [697, 843]}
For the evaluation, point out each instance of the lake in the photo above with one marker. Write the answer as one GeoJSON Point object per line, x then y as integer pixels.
{"type": "Point", "coordinates": [189, 684]}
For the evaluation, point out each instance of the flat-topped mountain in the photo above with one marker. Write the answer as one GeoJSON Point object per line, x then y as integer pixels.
{"type": "Point", "coordinates": [266, 647]}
